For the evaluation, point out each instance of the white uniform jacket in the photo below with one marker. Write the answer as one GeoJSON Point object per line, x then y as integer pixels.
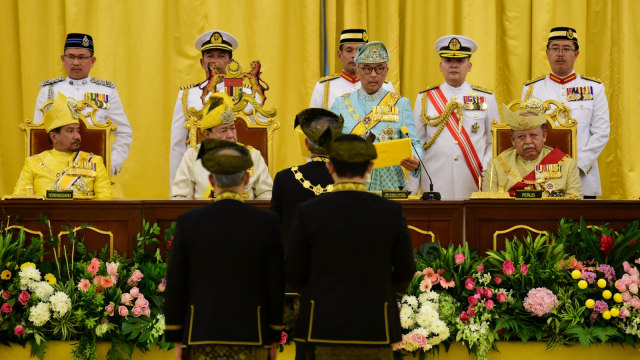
{"type": "Point", "coordinates": [337, 85]}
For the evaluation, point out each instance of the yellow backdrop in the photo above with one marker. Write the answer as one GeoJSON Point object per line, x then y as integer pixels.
{"type": "Point", "coordinates": [146, 48]}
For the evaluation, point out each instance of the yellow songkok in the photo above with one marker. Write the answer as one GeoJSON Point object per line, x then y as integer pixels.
{"type": "Point", "coordinates": [528, 116]}
{"type": "Point", "coordinates": [62, 112]}
{"type": "Point", "coordinates": [218, 110]}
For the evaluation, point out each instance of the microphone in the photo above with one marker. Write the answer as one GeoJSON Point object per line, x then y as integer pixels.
{"type": "Point", "coordinates": [429, 195]}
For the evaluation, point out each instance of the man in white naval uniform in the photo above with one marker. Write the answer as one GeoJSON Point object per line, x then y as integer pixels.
{"type": "Point", "coordinates": [328, 88]}
{"type": "Point", "coordinates": [586, 98]}
{"type": "Point", "coordinates": [457, 147]}
{"type": "Point", "coordinates": [78, 60]}
{"type": "Point", "coordinates": [192, 179]}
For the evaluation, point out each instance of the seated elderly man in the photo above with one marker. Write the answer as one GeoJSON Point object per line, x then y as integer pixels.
{"type": "Point", "coordinates": [64, 167]}
{"type": "Point", "coordinates": [529, 164]}
{"type": "Point", "coordinates": [192, 179]}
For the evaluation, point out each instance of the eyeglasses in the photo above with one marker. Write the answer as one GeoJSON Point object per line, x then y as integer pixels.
{"type": "Point", "coordinates": [80, 58]}
{"type": "Point", "coordinates": [378, 69]}
{"type": "Point", "coordinates": [557, 50]}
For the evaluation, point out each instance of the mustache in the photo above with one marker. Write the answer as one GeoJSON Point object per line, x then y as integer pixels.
{"type": "Point", "coordinates": [529, 146]}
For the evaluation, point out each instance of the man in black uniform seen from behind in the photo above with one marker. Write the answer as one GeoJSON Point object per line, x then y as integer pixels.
{"type": "Point", "coordinates": [350, 257]}
{"type": "Point", "coordinates": [298, 184]}
{"type": "Point", "coordinates": [225, 280]}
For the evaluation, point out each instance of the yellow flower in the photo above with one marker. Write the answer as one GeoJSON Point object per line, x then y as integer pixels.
{"type": "Point", "coordinates": [27, 264]}
{"type": "Point", "coordinates": [606, 294]}
{"type": "Point", "coordinates": [615, 312]}
{"type": "Point", "coordinates": [606, 315]}
{"type": "Point", "coordinates": [602, 283]}
{"type": "Point", "coordinates": [50, 278]}
{"type": "Point", "coordinates": [575, 274]}
{"type": "Point", "coordinates": [590, 303]}
{"type": "Point", "coordinates": [6, 275]}
{"type": "Point", "coordinates": [617, 297]}
{"type": "Point", "coordinates": [582, 284]}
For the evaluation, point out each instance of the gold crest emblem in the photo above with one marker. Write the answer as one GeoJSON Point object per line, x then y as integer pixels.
{"type": "Point", "coordinates": [365, 37]}
{"type": "Point", "coordinates": [216, 38]}
{"type": "Point", "coordinates": [454, 44]}
{"type": "Point", "coordinates": [85, 41]}
{"type": "Point", "coordinates": [570, 34]}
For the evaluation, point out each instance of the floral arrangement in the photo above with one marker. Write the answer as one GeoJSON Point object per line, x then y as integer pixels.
{"type": "Point", "coordinates": [80, 296]}
{"type": "Point", "coordinates": [579, 285]}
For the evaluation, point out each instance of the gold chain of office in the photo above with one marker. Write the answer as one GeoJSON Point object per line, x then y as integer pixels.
{"type": "Point", "coordinates": [440, 120]}
{"type": "Point", "coordinates": [317, 189]}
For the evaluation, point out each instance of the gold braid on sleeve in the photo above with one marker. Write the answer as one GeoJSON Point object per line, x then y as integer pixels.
{"type": "Point", "coordinates": [527, 95]}
{"type": "Point", "coordinates": [325, 96]}
{"type": "Point", "coordinates": [441, 120]}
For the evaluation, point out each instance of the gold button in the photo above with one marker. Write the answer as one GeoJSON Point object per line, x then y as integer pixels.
{"type": "Point", "coordinates": [455, 158]}
{"type": "Point", "coordinates": [562, 101]}
{"type": "Point", "coordinates": [455, 142]}
{"type": "Point", "coordinates": [581, 106]}
{"type": "Point", "coordinates": [563, 86]}
{"type": "Point", "coordinates": [561, 94]}
{"type": "Point", "coordinates": [455, 97]}
{"type": "Point", "coordinates": [476, 115]}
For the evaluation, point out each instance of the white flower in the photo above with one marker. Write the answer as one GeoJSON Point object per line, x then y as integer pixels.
{"type": "Point", "coordinates": [29, 273]}
{"type": "Point", "coordinates": [60, 303]}
{"type": "Point", "coordinates": [42, 290]}
{"type": "Point", "coordinates": [406, 317]}
{"type": "Point", "coordinates": [39, 314]}
{"type": "Point", "coordinates": [411, 300]}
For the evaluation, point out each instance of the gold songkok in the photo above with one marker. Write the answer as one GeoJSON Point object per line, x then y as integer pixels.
{"type": "Point", "coordinates": [372, 53]}
{"type": "Point", "coordinates": [529, 116]}
{"type": "Point", "coordinates": [216, 163]}
{"type": "Point", "coordinates": [347, 147]}
{"type": "Point", "coordinates": [62, 112]}
{"type": "Point", "coordinates": [563, 33]}
{"type": "Point", "coordinates": [306, 117]}
{"type": "Point", "coordinates": [455, 46]}
{"type": "Point", "coordinates": [354, 36]}
{"type": "Point", "coordinates": [218, 110]}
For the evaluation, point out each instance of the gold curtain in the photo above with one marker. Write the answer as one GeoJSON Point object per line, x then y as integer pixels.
{"type": "Point", "coordinates": [146, 48]}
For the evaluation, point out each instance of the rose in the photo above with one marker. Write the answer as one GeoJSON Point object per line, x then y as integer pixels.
{"type": "Point", "coordinates": [489, 304]}
{"type": "Point", "coordinates": [18, 330]}
{"type": "Point", "coordinates": [635, 302]}
{"type": "Point", "coordinates": [5, 295]}
{"type": "Point", "coordinates": [633, 288]}
{"type": "Point", "coordinates": [497, 279]}
{"type": "Point", "coordinates": [488, 293]}
{"type": "Point", "coordinates": [141, 302]}
{"type": "Point", "coordinates": [459, 258]}
{"type": "Point", "coordinates": [501, 297]}
{"type": "Point", "coordinates": [169, 243]}
{"type": "Point", "coordinates": [469, 284]}
{"type": "Point", "coordinates": [135, 278]}
{"type": "Point", "coordinates": [624, 313]}
{"type": "Point", "coordinates": [162, 286]}
{"type": "Point", "coordinates": [626, 296]}
{"type": "Point", "coordinates": [471, 310]}
{"type": "Point", "coordinates": [24, 297]}
{"type": "Point", "coordinates": [6, 308]}
{"type": "Point", "coordinates": [126, 299]}
{"type": "Point", "coordinates": [112, 269]}
{"type": "Point", "coordinates": [109, 309]}
{"type": "Point", "coordinates": [480, 268]}
{"type": "Point", "coordinates": [135, 292]}
{"type": "Point", "coordinates": [473, 299]}
{"type": "Point", "coordinates": [464, 316]}
{"type": "Point", "coordinates": [507, 267]}
{"type": "Point", "coordinates": [123, 311]}
{"type": "Point", "coordinates": [524, 269]}
{"type": "Point", "coordinates": [146, 312]}
{"type": "Point", "coordinates": [606, 244]}
{"type": "Point", "coordinates": [136, 311]}
{"type": "Point", "coordinates": [283, 338]}
{"type": "Point", "coordinates": [418, 339]}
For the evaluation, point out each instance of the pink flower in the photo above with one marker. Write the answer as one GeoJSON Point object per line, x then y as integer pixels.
{"type": "Point", "coordinates": [447, 284]}
{"type": "Point", "coordinates": [106, 282]}
{"type": "Point", "coordinates": [425, 285]}
{"type": "Point", "coordinates": [480, 291]}
{"type": "Point", "coordinates": [135, 292]}
{"type": "Point", "coordinates": [621, 286]}
{"type": "Point", "coordinates": [141, 302]}
{"type": "Point", "coordinates": [459, 258]}
{"type": "Point", "coordinates": [93, 266]}
{"type": "Point", "coordinates": [469, 283]}
{"type": "Point", "coordinates": [606, 244]}
{"type": "Point", "coordinates": [6, 308]}
{"type": "Point", "coordinates": [473, 299]}
{"type": "Point", "coordinates": [18, 330]}
{"type": "Point", "coordinates": [626, 296]}
{"type": "Point", "coordinates": [471, 310]}
{"type": "Point", "coordinates": [524, 269]}
{"type": "Point", "coordinates": [5, 295]}
{"type": "Point", "coordinates": [126, 299]}
{"type": "Point", "coordinates": [464, 316]}
{"type": "Point", "coordinates": [488, 293]}
{"type": "Point", "coordinates": [497, 279]}
{"type": "Point", "coordinates": [501, 297]}
{"type": "Point", "coordinates": [162, 286]}
{"type": "Point", "coordinates": [489, 304]}
{"type": "Point", "coordinates": [633, 288]}
{"type": "Point", "coordinates": [135, 278]}
{"type": "Point", "coordinates": [84, 285]}
{"type": "Point", "coordinates": [136, 311]}
{"type": "Point", "coordinates": [507, 267]}
{"type": "Point", "coordinates": [431, 275]}
{"type": "Point", "coordinates": [624, 313]}
{"type": "Point", "coordinates": [480, 268]}
{"type": "Point", "coordinates": [109, 309]}
{"type": "Point", "coordinates": [146, 312]}
{"type": "Point", "coordinates": [626, 266]}
{"type": "Point", "coordinates": [283, 338]}
{"type": "Point", "coordinates": [123, 311]}
{"type": "Point", "coordinates": [112, 269]}
{"type": "Point", "coordinates": [418, 339]}
{"type": "Point", "coordinates": [635, 302]}
{"type": "Point", "coordinates": [540, 301]}
{"type": "Point", "coordinates": [24, 297]}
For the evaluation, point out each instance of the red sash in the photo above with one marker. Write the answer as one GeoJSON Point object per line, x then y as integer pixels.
{"type": "Point", "coordinates": [552, 158]}
{"type": "Point", "coordinates": [439, 102]}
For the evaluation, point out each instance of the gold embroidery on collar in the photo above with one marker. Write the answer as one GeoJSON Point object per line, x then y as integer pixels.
{"type": "Point", "coordinates": [229, 195]}
{"type": "Point", "coordinates": [349, 186]}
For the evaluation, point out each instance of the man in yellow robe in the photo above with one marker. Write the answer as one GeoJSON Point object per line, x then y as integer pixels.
{"type": "Point", "coordinates": [529, 164]}
{"type": "Point", "coordinates": [65, 166]}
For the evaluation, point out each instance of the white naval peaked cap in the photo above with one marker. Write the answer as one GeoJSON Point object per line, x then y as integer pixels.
{"type": "Point", "coordinates": [216, 39]}
{"type": "Point", "coordinates": [455, 46]}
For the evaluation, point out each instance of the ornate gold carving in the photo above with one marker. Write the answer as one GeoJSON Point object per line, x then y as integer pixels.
{"type": "Point", "coordinates": [92, 228]}
{"type": "Point", "coordinates": [424, 232]}
{"type": "Point", "coordinates": [500, 232]}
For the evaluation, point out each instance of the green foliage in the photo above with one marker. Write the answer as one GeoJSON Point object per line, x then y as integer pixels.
{"type": "Point", "coordinates": [591, 335]}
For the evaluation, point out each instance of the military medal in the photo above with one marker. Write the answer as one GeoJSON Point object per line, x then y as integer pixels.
{"type": "Point", "coordinates": [475, 127]}
{"type": "Point", "coordinates": [549, 186]}
{"type": "Point", "coordinates": [366, 121]}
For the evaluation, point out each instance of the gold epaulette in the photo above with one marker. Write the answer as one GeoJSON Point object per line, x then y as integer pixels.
{"type": "Point", "coordinates": [102, 82]}
{"type": "Point", "coordinates": [248, 147]}
{"type": "Point", "coordinates": [591, 79]}
{"type": "Point", "coordinates": [327, 78]}
{"type": "Point", "coordinates": [481, 89]}
{"type": "Point", "coordinates": [190, 86]}
{"type": "Point", "coordinates": [51, 81]}
{"type": "Point", "coordinates": [429, 88]}
{"type": "Point", "coordinates": [345, 95]}
{"type": "Point", "coordinates": [534, 80]}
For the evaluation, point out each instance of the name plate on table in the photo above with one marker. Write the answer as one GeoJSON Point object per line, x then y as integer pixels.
{"type": "Point", "coordinates": [395, 194]}
{"type": "Point", "coordinates": [528, 194]}
{"type": "Point", "coordinates": [59, 194]}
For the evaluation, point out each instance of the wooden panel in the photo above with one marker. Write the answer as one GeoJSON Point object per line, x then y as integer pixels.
{"type": "Point", "coordinates": [443, 218]}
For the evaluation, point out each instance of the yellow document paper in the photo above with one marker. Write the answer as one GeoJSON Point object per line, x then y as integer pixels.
{"type": "Point", "coordinates": [390, 153]}
{"type": "Point", "coordinates": [303, 147]}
